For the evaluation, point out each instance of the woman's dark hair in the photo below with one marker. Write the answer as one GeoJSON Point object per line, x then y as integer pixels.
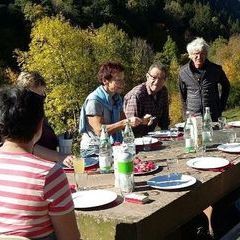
{"type": "Point", "coordinates": [107, 69]}
{"type": "Point", "coordinates": [20, 113]}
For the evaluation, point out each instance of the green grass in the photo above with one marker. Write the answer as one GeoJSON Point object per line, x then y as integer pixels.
{"type": "Point", "coordinates": [232, 114]}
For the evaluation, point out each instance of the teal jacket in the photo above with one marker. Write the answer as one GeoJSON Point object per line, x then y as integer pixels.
{"type": "Point", "coordinates": [104, 98]}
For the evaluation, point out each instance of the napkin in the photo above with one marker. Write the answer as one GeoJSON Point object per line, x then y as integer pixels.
{"type": "Point", "coordinates": [136, 198]}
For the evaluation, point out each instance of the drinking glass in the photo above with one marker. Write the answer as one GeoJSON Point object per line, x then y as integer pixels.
{"type": "Point", "coordinates": [172, 165]}
{"type": "Point", "coordinates": [79, 174]}
{"type": "Point", "coordinates": [146, 143]}
{"type": "Point", "coordinates": [231, 136]}
{"type": "Point", "coordinates": [222, 122]}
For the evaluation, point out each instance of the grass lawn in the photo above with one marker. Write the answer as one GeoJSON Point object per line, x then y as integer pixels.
{"type": "Point", "coordinates": [232, 114]}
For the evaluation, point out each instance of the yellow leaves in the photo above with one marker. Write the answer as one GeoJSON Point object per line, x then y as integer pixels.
{"type": "Point", "coordinates": [175, 111]}
{"type": "Point", "coordinates": [69, 57]}
{"type": "Point", "coordinates": [109, 43]}
{"type": "Point", "coordinates": [33, 11]}
{"type": "Point", "coordinates": [228, 55]}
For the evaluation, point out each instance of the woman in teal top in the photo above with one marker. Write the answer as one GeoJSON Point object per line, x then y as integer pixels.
{"type": "Point", "coordinates": [104, 106]}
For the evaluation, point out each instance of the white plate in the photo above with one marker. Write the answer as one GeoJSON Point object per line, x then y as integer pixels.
{"type": "Point", "coordinates": [93, 198]}
{"type": "Point", "coordinates": [143, 173]}
{"type": "Point", "coordinates": [180, 125]}
{"type": "Point", "coordinates": [230, 147]}
{"type": "Point", "coordinates": [234, 124]}
{"type": "Point", "coordinates": [171, 181]}
{"type": "Point", "coordinates": [163, 134]}
{"type": "Point", "coordinates": [207, 162]}
{"type": "Point", "coordinates": [139, 141]}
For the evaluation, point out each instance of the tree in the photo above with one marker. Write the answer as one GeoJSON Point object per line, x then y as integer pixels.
{"type": "Point", "coordinates": [141, 58]}
{"type": "Point", "coordinates": [61, 54]}
{"type": "Point", "coordinates": [175, 108]}
{"type": "Point", "coordinates": [110, 43]}
{"type": "Point", "coordinates": [32, 11]}
{"type": "Point", "coordinates": [69, 58]}
{"type": "Point", "coordinates": [201, 22]}
{"type": "Point", "coordinates": [227, 54]}
{"type": "Point", "coordinates": [169, 52]}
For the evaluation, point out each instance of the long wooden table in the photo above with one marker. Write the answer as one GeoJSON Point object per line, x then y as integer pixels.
{"type": "Point", "coordinates": [167, 210]}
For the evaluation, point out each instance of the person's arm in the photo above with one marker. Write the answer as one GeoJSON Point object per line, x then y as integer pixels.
{"type": "Point", "coordinates": [164, 119]}
{"type": "Point", "coordinates": [225, 90]}
{"type": "Point", "coordinates": [131, 106]}
{"type": "Point", "coordinates": [96, 122]}
{"type": "Point", "coordinates": [57, 194]}
{"type": "Point", "coordinates": [52, 155]}
{"type": "Point", "coordinates": [66, 226]}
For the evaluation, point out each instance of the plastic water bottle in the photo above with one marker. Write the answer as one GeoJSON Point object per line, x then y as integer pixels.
{"type": "Point", "coordinates": [189, 134]}
{"type": "Point", "coordinates": [105, 151]}
{"type": "Point", "coordinates": [207, 131]}
{"type": "Point", "coordinates": [125, 171]}
{"type": "Point", "coordinates": [128, 138]}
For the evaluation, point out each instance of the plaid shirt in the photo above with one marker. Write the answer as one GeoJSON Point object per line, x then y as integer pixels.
{"type": "Point", "coordinates": [139, 102]}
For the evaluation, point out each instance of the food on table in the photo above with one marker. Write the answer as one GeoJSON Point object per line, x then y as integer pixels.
{"type": "Point", "coordinates": [141, 166]}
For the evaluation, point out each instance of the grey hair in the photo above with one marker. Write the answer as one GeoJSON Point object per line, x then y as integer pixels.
{"type": "Point", "coordinates": [30, 79]}
{"type": "Point", "coordinates": [197, 45]}
{"type": "Point", "coordinates": [159, 66]}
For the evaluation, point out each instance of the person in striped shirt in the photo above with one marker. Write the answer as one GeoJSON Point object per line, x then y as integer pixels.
{"type": "Point", "coordinates": [47, 145]}
{"type": "Point", "coordinates": [35, 198]}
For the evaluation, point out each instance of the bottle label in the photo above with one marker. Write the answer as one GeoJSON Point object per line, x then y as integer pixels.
{"type": "Point", "coordinates": [189, 142]}
{"type": "Point", "coordinates": [105, 162]}
{"type": "Point", "coordinates": [125, 167]}
{"type": "Point", "coordinates": [189, 145]}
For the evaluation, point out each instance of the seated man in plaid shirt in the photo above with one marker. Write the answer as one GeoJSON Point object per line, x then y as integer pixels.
{"type": "Point", "coordinates": [150, 97]}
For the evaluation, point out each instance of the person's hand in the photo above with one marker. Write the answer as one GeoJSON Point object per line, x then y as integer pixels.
{"type": "Point", "coordinates": [68, 161]}
{"type": "Point", "coordinates": [135, 121]}
{"type": "Point", "coordinates": [146, 120]}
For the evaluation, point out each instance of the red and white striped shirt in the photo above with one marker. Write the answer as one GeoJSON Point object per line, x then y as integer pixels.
{"type": "Point", "coordinates": [31, 189]}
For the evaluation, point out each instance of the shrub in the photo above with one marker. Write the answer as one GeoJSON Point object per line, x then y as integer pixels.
{"type": "Point", "coordinates": [175, 108]}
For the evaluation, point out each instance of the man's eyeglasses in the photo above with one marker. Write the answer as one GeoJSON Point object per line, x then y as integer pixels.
{"type": "Point", "coordinates": [156, 78]}
{"type": "Point", "coordinates": [118, 80]}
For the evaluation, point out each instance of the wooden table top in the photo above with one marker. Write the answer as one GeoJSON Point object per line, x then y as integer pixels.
{"type": "Point", "coordinates": [167, 208]}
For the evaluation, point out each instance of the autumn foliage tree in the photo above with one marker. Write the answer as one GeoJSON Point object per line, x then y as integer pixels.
{"type": "Point", "coordinates": [69, 57]}
{"type": "Point", "coordinates": [227, 54]}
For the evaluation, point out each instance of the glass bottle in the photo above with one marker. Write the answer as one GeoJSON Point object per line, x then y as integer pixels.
{"type": "Point", "coordinates": [105, 151]}
{"type": "Point", "coordinates": [207, 131]}
{"type": "Point", "coordinates": [189, 136]}
{"type": "Point", "coordinates": [129, 139]}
